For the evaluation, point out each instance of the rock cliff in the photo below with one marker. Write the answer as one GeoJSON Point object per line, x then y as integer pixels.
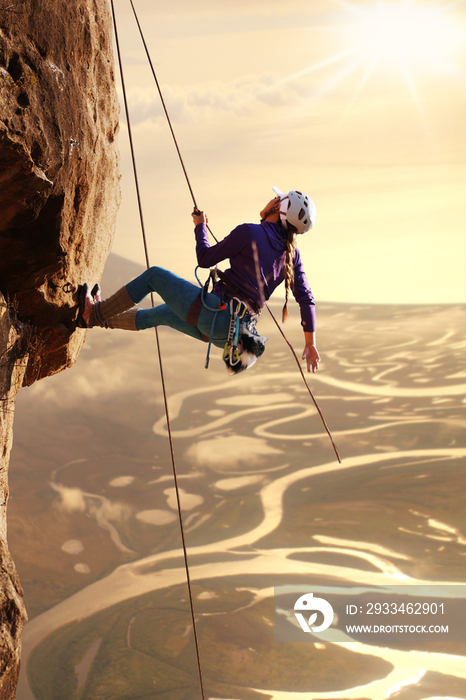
{"type": "Point", "coordinates": [59, 194]}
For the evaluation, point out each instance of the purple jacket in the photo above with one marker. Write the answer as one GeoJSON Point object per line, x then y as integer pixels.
{"type": "Point", "coordinates": [271, 248]}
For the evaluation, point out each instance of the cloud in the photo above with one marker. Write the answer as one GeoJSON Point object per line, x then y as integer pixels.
{"type": "Point", "coordinates": [156, 517]}
{"type": "Point", "coordinates": [232, 453]}
{"type": "Point", "coordinates": [71, 499]}
{"type": "Point", "coordinates": [118, 512]}
{"type": "Point", "coordinates": [242, 96]}
{"type": "Point", "coordinates": [73, 547]}
{"type": "Point", "coordinates": [121, 481]}
{"type": "Point", "coordinates": [100, 377]}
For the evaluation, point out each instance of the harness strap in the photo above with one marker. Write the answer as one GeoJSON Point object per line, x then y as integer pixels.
{"type": "Point", "coordinates": [193, 315]}
{"type": "Point", "coordinates": [237, 292]}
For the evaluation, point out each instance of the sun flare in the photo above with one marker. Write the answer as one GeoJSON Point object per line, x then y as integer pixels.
{"type": "Point", "coordinates": [408, 40]}
{"type": "Point", "coordinates": [408, 35]}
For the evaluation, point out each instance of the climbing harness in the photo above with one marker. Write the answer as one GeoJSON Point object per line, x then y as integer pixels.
{"type": "Point", "coordinates": [244, 344]}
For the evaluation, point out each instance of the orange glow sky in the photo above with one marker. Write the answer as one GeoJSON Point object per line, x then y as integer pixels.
{"type": "Point", "coordinates": [363, 111]}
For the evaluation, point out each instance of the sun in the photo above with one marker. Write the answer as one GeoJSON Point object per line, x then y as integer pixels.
{"type": "Point", "coordinates": [407, 35]}
{"type": "Point", "coordinates": [399, 36]}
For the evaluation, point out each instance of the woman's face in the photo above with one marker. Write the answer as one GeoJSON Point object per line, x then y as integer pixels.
{"type": "Point", "coordinates": [272, 205]}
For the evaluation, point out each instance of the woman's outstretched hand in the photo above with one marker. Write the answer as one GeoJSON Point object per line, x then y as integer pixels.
{"type": "Point", "coordinates": [199, 217]}
{"type": "Point", "coordinates": [312, 357]}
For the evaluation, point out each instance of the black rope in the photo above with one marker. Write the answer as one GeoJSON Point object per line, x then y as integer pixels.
{"type": "Point", "coordinates": [216, 239]}
{"type": "Point", "coordinates": [159, 352]}
{"type": "Point", "coordinates": [163, 105]}
{"type": "Point", "coordinates": [168, 116]}
{"type": "Point", "coordinates": [306, 384]}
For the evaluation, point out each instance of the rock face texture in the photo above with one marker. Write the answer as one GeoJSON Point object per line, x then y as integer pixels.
{"type": "Point", "coordinates": [59, 194]}
{"type": "Point", "coordinates": [12, 612]}
{"type": "Point", "coordinates": [58, 174]}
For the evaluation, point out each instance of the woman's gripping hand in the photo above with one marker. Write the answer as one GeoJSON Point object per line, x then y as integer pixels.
{"type": "Point", "coordinates": [199, 217]}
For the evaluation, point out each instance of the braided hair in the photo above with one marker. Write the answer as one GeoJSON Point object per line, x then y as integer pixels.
{"type": "Point", "coordinates": [290, 239]}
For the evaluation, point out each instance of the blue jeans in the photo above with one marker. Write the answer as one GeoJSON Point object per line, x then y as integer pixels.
{"type": "Point", "coordinates": [178, 295]}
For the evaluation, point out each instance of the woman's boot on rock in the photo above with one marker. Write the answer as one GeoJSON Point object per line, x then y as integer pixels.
{"type": "Point", "coordinates": [95, 313]}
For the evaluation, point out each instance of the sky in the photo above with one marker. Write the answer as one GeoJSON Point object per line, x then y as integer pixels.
{"type": "Point", "coordinates": [360, 104]}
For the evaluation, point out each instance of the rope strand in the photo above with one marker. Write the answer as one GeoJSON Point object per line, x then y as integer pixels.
{"type": "Point", "coordinates": [163, 105]}
{"type": "Point", "coordinates": [306, 383]}
{"type": "Point", "coordinates": [159, 352]}
{"type": "Point", "coordinates": [196, 208]}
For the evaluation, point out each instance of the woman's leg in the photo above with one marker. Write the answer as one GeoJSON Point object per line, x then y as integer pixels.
{"type": "Point", "coordinates": [222, 320]}
{"type": "Point", "coordinates": [178, 295]}
{"type": "Point", "coordinates": [177, 292]}
{"type": "Point", "coordinates": [162, 315]}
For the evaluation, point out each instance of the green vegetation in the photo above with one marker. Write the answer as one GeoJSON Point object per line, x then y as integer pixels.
{"type": "Point", "coordinates": [147, 650]}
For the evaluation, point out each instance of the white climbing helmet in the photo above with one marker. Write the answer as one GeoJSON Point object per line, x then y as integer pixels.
{"type": "Point", "coordinates": [297, 209]}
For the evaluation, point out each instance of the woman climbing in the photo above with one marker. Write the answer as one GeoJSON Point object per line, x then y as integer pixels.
{"type": "Point", "coordinates": [261, 257]}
